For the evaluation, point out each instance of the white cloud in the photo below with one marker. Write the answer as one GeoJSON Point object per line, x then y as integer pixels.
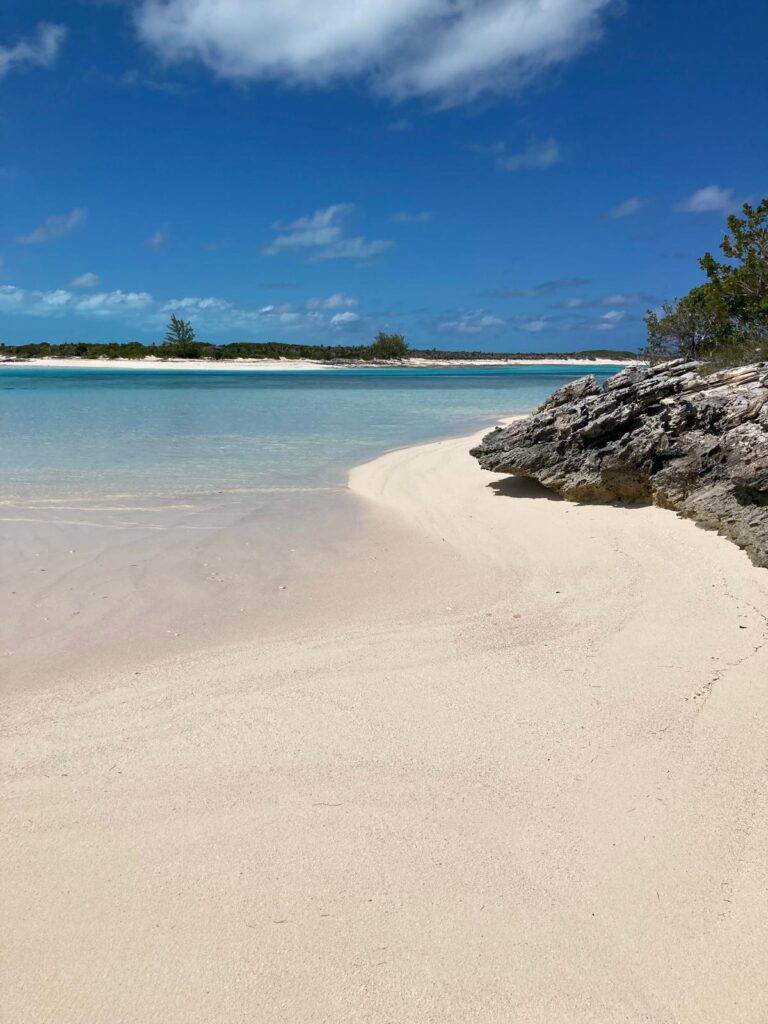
{"type": "Point", "coordinates": [345, 319]}
{"type": "Point", "coordinates": [472, 322]}
{"type": "Point", "coordinates": [404, 217]}
{"type": "Point", "coordinates": [711, 199]}
{"type": "Point", "coordinates": [159, 238]}
{"type": "Point", "coordinates": [401, 125]}
{"type": "Point", "coordinates": [336, 301]}
{"type": "Point", "coordinates": [11, 298]}
{"type": "Point", "coordinates": [88, 280]}
{"type": "Point", "coordinates": [56, 299]}
{"type": "Point", "coordinates": [573, 322]}
{"type": "Point", "coordinates": [194, 304]}
{"type": "Point", "coordinates": [610, 320]}
{"type": "Point", "coordinates": [52, 228]}
{"type": "Point", "coordinates": [112, 303]}
{"type": "Point", "coordinates": [628, 208]}
{"type": "Point", "coordinates": [322, 236]}
{"type": "Point", "coordinates": [537, 155]}
{"type": "Point", "coordinates": [620, 299]}
{"type": "Point", "coordinates": [61, 300]}
{"type": "Point", "coordinates": [38, 50]}
{"type": "Point", "coordinates": [535, 325]}
{"type": "Point", "coordinates": [443, 49]}
{"type": "Point", "coordinates": [208, 313]}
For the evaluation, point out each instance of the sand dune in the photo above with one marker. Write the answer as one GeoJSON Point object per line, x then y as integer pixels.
{"type": "Point", "coordinates": [520, 778]}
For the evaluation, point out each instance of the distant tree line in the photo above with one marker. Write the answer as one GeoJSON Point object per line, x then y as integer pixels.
{"type": "Point", "coordinates": [725, 320]}
{"type": "Point", "coordinates": [180, 342]}
{"type": "Point", "coordinates": [273, 350]}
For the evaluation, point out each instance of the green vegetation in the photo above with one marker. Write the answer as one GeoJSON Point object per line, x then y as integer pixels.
{"type": "Point", "coordinates": [180, 339]}
{"type": "Point", "coordinates": [180, 343]}
{"type": "Point", "coordinates": [275, 350]}
{"type": "Point", "coordinates": [725, 320]}
{"type": "Point", "coordinates": [389, 346]}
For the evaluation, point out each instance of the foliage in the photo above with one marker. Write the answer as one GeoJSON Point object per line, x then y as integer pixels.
{"type": "Point", "coordinates": [685, 329]}
{"type": "Point", "coordinates": [274, 350]}
{"type": "Point", "coordinates": [180, 339]}
{"type": "Point", "coordinates": [389, 346]}
{"type": "Point", "coordinates": [725, 320]}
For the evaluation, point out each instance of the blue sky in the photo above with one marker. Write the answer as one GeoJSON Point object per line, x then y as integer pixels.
{"type": "Point", "coordinates": [519, 175]}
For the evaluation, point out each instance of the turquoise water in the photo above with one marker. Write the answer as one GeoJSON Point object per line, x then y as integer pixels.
{"type": "Point", "coordinates": [121, 432]}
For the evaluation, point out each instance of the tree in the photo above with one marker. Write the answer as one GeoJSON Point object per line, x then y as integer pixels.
{"type": "Point", "coordinates": [742, 290]}
{"type": "Point", "coordinates": [180, 338]}
{"type": "Point", "coordinates": [686, 329]}
{"type": "Point", "coordinates": [389, 346]}
{"type": "Point", "coordinates": [725, 320]}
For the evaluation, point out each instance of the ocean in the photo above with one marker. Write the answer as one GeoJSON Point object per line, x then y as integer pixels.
{"type": "Point", "coordinates": [117, 432]}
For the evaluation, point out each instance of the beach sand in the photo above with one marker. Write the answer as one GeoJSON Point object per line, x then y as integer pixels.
{"type": "Point", "coordinates": [152, 363]}
{"type": "Point", "coordinates": [488, 757]}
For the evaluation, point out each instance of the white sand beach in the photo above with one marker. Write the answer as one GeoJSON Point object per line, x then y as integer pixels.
{"type": "Point", "coordinates": [465, 753]}
{"type": "Point", "coordinates": [152, 363]}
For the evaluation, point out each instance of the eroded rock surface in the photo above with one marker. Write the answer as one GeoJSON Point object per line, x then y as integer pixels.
{"type": "Point", "coordinates": [666, 434]}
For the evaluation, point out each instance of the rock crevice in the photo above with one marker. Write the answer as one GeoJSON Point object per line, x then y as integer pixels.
{"type": "Point", "coordinates": [666, 434]}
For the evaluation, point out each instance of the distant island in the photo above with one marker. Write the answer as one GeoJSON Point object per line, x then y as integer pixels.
{"type": "Point", "coordinates": [331, 354]}
{"type": "Point", "coordinates": [180, 343]}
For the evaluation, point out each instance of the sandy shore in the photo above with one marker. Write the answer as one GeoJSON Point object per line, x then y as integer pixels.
{"type": "Point", "coordinates": [150, 363]}
{"type": "Point", "coordinates": [496, 758]}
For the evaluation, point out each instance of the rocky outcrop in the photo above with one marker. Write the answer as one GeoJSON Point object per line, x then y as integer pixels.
{"type": "Point", "coordinates": [666, 434]}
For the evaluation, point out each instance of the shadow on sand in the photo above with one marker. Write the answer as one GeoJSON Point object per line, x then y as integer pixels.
{"type": "Point", "coordinates": [522, 487]}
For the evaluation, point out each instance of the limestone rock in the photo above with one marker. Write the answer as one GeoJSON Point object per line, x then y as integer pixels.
{"type": "Point", "coordinates": [665, 434]}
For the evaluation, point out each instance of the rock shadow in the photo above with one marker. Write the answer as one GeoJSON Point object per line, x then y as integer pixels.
{"type": "Point", "coordinates": [522, 487]}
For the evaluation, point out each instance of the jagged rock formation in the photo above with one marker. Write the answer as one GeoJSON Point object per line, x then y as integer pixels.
{"type": "Point", "coordinates": [666, 434]}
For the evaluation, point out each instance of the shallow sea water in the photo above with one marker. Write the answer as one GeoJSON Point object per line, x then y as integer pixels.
{"type": "Point", "coordinates": [98, 432]}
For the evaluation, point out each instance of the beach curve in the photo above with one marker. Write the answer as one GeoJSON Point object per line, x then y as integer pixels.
{"type": "Point", "coordinates": [540, 800]}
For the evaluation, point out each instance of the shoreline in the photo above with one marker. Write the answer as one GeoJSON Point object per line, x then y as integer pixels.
{"type": "Point", "coordinates": [484, 762]}
{"type": "Point", "coordinates": [150, 363]}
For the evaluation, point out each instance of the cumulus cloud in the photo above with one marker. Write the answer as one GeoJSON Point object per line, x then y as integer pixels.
{"type": "Point", "coordinates": [572, 323]}
{"type": "Point", "coordinates": [336, 301]}
{"type": "Point", "coordinates": [111, 303]}
{"type": "Point", "coordinates": [711, 199]}
{"type": "Point", "coordinates": [323, 236]}
{"type": "Point", "coordinates": [610, 320]}
{"type": "Point", "coordinates": [88, 280]}
{"type": "Point", "coordinates": [628, 208]}
{"type": "Point", "coordinates": [207, 312]}
{"type": "Point", "coordinates": [62, 300]}
{"type": "Point", "coordinates": [471, 322]}
{"type": "Point", "coordinates": [404, 217]}
{"type": "Point", "coordinates": [52, 228]}
{"type": "Point", "coordinates": [345, 319]}
{"type": "Point", "coordinates": [537, 155]}
{"type": "Point", "coordinates": [38, 50]}
{"type": "Point", "coordinates": [441, 49]}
